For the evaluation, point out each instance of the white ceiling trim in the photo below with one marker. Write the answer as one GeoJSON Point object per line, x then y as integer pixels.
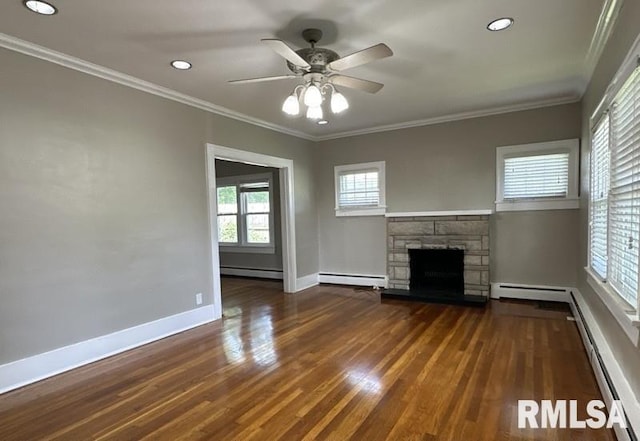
{"type": "Point", "coordinates": [41, 52]}
{"type": "Point", "coordinates": [604, 28]}
{"type": "Point", "coordinates": [37, 51]}
{"type": "Point", "coordinates": [455, 117]}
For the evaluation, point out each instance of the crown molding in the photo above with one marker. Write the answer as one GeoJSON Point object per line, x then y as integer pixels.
{"type": "Point", "coordinates": [454, 117]}
{"type": "Point", "coordinates": [43, 53]}
{"type": "Point", "coordinates": [601, 34]}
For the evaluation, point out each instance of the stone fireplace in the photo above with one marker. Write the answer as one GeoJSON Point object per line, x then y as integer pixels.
{"type": "Point", "coordinates": [469, 233]}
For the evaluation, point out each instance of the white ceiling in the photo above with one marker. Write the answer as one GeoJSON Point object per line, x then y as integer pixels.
{"type": "Point", "coordinates": [445, 61]}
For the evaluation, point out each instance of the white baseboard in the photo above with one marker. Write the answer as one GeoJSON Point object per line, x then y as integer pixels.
{"type": "Point", "coordinates": [250, 272]}
{"type": "Point", "coordinates": [354, 279]}
{"type": "Point", "coordinates": [530, 292]}
{"type": "Point", "coordinates": [305, 282]}
{"type": "Point", "coordinates": [598, 349]}
{"type": "Point", "coordinates": [38, 367]}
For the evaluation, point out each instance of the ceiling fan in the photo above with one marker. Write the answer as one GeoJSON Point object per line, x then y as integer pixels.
{"type": "Point", "coordinates": [320, 69]}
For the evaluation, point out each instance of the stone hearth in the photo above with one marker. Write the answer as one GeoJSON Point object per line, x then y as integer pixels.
{"type": "Point", "coordinates": [469, 233]}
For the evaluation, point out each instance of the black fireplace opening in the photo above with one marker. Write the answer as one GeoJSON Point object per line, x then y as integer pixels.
{"type": "Point", "coordinates": [437, 272]}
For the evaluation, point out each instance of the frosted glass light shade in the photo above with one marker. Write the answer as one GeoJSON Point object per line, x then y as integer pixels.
{"type": "Point", "coordinates": [314, 112]}
{"type": "Point", "coordinates": [312, 96]}
{"type": "Point", "coordinates": [338, 103]}
{"type": "Point", "coordinates": [291, 106]}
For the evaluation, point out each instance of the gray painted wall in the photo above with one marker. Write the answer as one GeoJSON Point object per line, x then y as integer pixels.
{"type": "Point", "coordinates": [625, 33]}
{"type": "Point", "coordinates": [255, 260]}
{"type": "Point", "coordinates": [535, 247]}
{"type": "Point", "coordinates": [104, 223]}
{"type": "Point", "coordinates": [451, 167]}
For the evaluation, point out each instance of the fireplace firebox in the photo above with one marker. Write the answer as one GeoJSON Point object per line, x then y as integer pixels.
{"type": "Point", "coordinates": [437, 272]}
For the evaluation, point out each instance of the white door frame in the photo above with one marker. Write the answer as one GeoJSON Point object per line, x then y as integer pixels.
{"type": "Point", "coordinates": [214, 152]}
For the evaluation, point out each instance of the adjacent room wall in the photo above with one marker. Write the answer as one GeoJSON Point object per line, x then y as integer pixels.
{"type": "Point", "coordinates": [625, 33]}
{"type": "Point", "coordinates": [255, 260]}
{"type": "Point", "coordinates": [239, 135]}
{"type": "Point", "coordinates": [104, 221]}
{"type": "Point", "coordinates": [451, 166]}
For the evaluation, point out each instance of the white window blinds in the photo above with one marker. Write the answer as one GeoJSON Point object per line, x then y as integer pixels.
{"type": "Point", "coordinates": [359, 189]}
{"type": "Point", "coordinates": [540, 176]}
{"type": "Point", "coordinates": [624, 206]}
{"type": "Point", "coordinates": [599, 197]}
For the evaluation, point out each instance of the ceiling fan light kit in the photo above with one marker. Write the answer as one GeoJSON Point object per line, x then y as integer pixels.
{"type": "Point", "coordinates": [320, 68]}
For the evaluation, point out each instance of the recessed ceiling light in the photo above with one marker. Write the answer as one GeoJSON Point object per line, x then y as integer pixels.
{"type": "Point", "coordinates": [500, 24]}
{"type": "Point", "coordinates": [181, 64]}
{"type": "Point", "coordinates": [40, 7]}
{"type": "Point", "coordinates": [322, 122]}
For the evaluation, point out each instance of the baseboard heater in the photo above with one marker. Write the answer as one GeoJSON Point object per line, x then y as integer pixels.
{"type": "Point", "coordinates": [251, 272]}
{"type": "Point", "coordinates": [599, 368]}
{"type": "Point", "coordinates": [529, 292]}
{"type": "Point", "coordinates": [353, 279]}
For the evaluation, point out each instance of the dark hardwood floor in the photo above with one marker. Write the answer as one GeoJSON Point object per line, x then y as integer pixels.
{"type": "Point", "coordinates": [328, 363]}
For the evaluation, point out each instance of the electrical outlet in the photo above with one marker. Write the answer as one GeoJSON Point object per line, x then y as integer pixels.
{"type": "Point", "coordinates": [199, 298]}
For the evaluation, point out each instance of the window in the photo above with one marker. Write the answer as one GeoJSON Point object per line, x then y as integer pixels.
{"type": "Point", "coordinates": [539, 176]}
{"type": "Point", "coordinates": [614, 211]}
{"type": "Point", "coordinates": [360, 189]}
{"type": "Point", "coordinates": [599, 198]}
{"type": "Point", "coordinates": [245, 217]}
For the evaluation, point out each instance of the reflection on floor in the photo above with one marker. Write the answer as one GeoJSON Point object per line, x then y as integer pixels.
{"type": "Point", "coordinates": [330, 363]}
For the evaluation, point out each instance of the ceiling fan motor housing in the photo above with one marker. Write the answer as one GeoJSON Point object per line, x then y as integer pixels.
{"type": "Point", "coordinates": [317, 57]}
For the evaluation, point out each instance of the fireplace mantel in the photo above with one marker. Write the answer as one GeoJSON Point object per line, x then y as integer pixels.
{"type": "Point", "coordinates": [486, 212]}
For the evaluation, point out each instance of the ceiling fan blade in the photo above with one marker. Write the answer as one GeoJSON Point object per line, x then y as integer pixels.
{"type": "Point", "coordinates": [356, 83]}
{"type": "Point", "coordinates": [361, 57]}
{"type": "Point", "coordinates": [262, 79]}
{"type": "Point", "coordinates": [282, 49]}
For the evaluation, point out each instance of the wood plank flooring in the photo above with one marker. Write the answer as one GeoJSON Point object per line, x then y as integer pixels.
{"type": "Point", "coordinates": [330, 363]}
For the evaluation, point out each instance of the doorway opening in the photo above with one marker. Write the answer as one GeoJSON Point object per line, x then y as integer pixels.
{"type": "Point", "coordinates": [247, 216]}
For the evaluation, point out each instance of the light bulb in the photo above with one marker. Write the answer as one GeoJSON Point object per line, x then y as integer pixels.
{"type": "Point", "coordinates": [314, 112]}
{"type": "Point", "coordinates": [312, 96]}
{"type": "Point", "coordinates": [338, 102]}
{"type": "Point", "coordinates": [291, 106]}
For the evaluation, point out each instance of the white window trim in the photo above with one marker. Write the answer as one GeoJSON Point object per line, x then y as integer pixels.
{"type": "Point", "coordinates": [624, 314]}
{"type": "Point", "coordinates": [378, 210]}
{"type": "Point", "coordinates": [571, 201]}
{"type": "Point", "coordinates": [240, 247]}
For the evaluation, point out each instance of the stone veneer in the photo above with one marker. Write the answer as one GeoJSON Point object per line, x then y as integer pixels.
{"type": "Point", "coordinates": [470, 233]}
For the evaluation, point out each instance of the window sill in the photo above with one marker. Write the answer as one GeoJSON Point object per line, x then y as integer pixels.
{"type": "Point", "coordinates": [623, 313]}
{"type": "Point", "coordinates": [374, 211]}
{"type": "Point", "coordinates": [532, 205]}
{"type": "Point", "coordinates": [247, 249]}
